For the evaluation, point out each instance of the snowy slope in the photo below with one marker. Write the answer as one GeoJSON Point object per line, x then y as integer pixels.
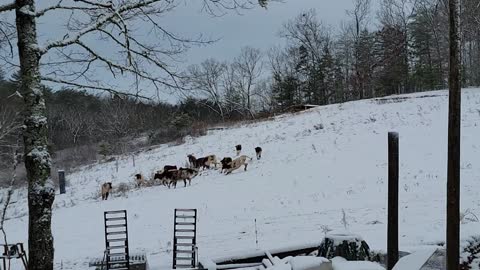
{"type": "Point", "coordinates": [307, 176]}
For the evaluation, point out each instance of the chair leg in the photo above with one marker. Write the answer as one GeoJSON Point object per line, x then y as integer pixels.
{"type": "Point", "coordinates": [24, 260]}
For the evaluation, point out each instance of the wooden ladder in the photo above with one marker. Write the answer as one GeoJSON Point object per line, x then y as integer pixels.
{"type": "Point", "coordinates": [185, 238]}
{"type": "Point", "coordinates": [116, 240]}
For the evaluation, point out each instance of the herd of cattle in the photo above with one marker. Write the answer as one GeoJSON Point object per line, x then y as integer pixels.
{"type": "Point", "coordinates": [171, 174]}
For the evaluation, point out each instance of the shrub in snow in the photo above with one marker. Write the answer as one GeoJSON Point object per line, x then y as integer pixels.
{"type": "Point", "coordinates": [470, 257]}
{"type": "Point", "coordinates": [468, 216]}
{"type": "Point", "coordinates": [105, 149]}
{"type": "Point", "coordinates": [349, 246]}
{"type": "Point", "coordinates": [325, 229]}
{"type": "Point", "coordinates": [344, 216]}
{"type": "Point", "coordinates": [181, 121]}
{"type": "Point", "coordinates": [122, 189]}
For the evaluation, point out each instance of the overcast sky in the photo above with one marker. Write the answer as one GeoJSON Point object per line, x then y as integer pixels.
{"type": "Point", "coordinates": [256, 27]}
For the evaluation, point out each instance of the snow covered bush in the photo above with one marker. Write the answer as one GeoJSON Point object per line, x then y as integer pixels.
{"type": "Point", "coordinates": [468, 216]}
{"type": "Point", "coordinates": [349, 246]}
{"type": "Point", "coordinates": [122, 189]}
{"type": "Point", "coordinates": [470, 256]}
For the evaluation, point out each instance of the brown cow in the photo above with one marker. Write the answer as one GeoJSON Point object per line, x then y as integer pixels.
{"type": "Point", "coordinates": [169, 167]}
{"type": "Point", "coordinates": [183, 174]}
{"type": "Point", "coordinates": [203, 162]}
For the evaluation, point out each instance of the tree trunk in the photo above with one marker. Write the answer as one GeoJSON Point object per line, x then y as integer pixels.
{"type": "Point", "coordinates": [453, 170]}
{"type": "Point", "coordinates": [41, 191]}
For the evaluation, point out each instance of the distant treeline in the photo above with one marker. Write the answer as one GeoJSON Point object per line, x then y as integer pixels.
{"type": "Point", "coordinates": [83, 126]}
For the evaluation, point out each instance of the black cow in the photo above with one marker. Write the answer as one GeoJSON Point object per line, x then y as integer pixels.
{"type": "Point", "coordinates": [239, 149]}
{"type": "Point", "coordinates": [226, 163]}
{"type": "Point", "coordinates": [258, 151]}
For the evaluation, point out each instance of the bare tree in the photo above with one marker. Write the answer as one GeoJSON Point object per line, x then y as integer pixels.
{"type": "Point", "coordinates": [359, 15]}
{"type": "Point", "coordinates": [73, 59]}
{"type": "Point", "coordinates": [284, 68]}
{"type": "Point", "coordinates": [6, 200]}
{"type": "Point", "coordinates": [115, 119]}
{"type": "Point", "coordinates": [9, 124]}
{"type": "Point", "coordinates": [307, 31]}
{"type": "Point", "coordinates": [307, 34]}
{"type": "Point", "coordinates": [206, 79]}
{"type": "Point", "coordinates": [232, 96]}
{"type": "Point", "coordinates": [263, 95]}
{"type": "Point", "coordinates": [345, 53]}
{"type": "Point", "coordinates": [77, 123]}
{"type": "Point", "coordinates": [248, 68]}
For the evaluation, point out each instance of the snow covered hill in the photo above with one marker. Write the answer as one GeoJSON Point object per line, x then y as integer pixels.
{"type": "Point", "coordinates": [314, 164]}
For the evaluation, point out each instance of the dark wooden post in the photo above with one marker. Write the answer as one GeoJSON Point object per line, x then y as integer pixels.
{"type": "Point", "coordinates": [61, 181]}
{"type": "Point", "coordinates": [392, 227]}
{"type": "Point", "coordinates": [454, 121]}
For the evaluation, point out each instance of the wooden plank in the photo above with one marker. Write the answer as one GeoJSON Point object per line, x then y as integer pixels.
{"type": "Point", "coordinates": [116, 226]}
{"type": "Point", "coordinates": [392, 226]}
{"type": "Point", "coordinates": [115, 219]}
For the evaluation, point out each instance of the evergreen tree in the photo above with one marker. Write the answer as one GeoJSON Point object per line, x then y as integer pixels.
{"type": "Point", "coordinates": [329, 78]}
{"type": "Point", "coordinates": [285, 91]}
{"type": "Point", "coordinates": [427, 66]}
{"type": "Point", "coordinates": [392, 67]}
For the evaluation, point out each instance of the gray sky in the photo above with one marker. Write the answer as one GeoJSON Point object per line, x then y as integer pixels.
{"type": "Point", "coordinates": [256, 27]}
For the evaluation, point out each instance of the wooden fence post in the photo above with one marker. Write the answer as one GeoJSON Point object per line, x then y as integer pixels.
{"type": "Point", "coordinates": [454, 137]}
{"type": "Point", "coordinates": [392, 227]}
{"type": "Point", "coordinates": [61, 181]}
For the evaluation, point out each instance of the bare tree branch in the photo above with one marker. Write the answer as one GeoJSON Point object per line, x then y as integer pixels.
{"type": "Point", "coordinates": [7, 7]}
{"type": "Point", "coordinates": [59, 6]}
{"type": "Point", "coordinates": [206, 79]}
{"type": "Point", "coordinates": [15, 159]}
{"type": "Point", "coordinates": [111, 90]}
{"type": "Point", "coordinates": [97, 25]}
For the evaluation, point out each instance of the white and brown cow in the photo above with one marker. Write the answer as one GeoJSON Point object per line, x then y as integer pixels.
{"type": "Point", "coordinates": [237, 163]}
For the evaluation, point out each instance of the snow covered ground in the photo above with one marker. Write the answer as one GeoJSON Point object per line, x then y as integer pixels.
{"type": "Point", "coordinates": [314, 164]}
